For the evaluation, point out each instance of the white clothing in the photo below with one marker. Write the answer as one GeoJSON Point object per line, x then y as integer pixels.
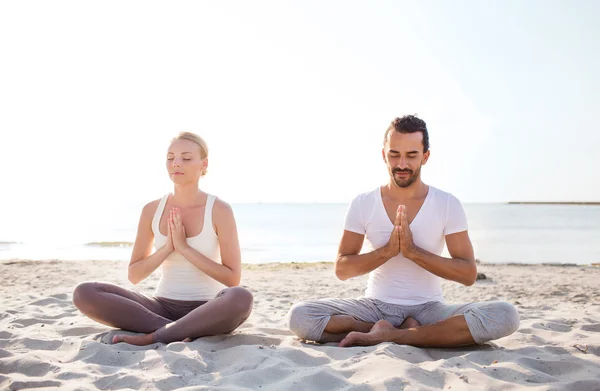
{"type": "Point", "coordinates": [401, 281]}
{"type": "Point", "coordinates": [180, 279]}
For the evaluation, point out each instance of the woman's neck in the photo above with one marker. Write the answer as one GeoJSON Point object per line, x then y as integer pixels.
{"type": "Point", "coordinates": [186, 195]}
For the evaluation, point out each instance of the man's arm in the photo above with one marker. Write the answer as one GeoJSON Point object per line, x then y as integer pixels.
{"type": "Point", "coordinates": [460, 268]}
{"type": "Point", "coordinates": [350, 264]}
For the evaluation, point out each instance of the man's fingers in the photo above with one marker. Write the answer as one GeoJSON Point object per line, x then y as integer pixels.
{"type": "Point", "coordinates": [398, 220]}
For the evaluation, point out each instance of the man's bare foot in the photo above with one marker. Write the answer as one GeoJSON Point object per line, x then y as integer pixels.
{"type": "Point", "coordinates": [139, 340]}
{"type": "Point", "coordinates": [377, 335]}
{"type": "Point", "coordinates": [409, 323]}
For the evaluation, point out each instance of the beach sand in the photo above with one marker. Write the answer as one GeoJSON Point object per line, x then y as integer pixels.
{"type": "Point", "coordinates": [46, 342]}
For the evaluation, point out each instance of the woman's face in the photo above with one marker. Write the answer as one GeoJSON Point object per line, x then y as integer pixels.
{"type": "Point", "coordinates": [184, 162]}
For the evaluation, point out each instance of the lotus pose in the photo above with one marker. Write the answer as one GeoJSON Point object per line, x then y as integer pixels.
{"type": "Point", "coordinates": [406, 223]}
{"type": "Point", "coordinates": [195, 237]}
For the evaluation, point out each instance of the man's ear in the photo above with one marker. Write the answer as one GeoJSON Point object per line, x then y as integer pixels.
{"type": "Point", "coordinates": [426, 156]}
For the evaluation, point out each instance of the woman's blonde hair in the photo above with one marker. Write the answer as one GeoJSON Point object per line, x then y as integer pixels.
{"type": "Point", "coordinates": [193, 137]}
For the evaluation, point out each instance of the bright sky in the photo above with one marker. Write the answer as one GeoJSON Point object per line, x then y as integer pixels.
{"type": "Point", "coordinates": [293, 98]}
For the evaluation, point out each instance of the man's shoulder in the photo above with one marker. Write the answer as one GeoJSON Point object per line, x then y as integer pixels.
{"type": "Point", "coordinates": [442, 195]}
{"type": "Point", "coordinates": [366, 197]}
{"type": "Point", "coordinates": [444, 201]}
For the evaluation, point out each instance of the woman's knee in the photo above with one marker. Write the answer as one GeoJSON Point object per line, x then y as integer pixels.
{"type": "Point", "coordinates": [240, 300]}
{"type": "Point", "coordinates": [83, 294]}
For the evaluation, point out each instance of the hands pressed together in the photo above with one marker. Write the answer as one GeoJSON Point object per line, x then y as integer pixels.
{"type": "Point", "coordinates": [401, 240]}
{"type": "Point", "coordinates": [176, 238]}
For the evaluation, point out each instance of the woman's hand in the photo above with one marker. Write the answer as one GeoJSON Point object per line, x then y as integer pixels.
{"type": "Point", "coordinates": [177, 230]}
{"type": "Point", "coordinates": [169, 243]}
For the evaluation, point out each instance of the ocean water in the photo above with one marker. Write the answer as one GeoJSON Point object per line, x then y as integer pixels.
{"type": "Point", "coordinates": [310, 232]}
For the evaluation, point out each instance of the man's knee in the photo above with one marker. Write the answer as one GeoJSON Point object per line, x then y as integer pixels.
{"type": "Point", "coordinates": [494, 321]}
{"type": "Point", "coordinates": [299, 320]}
{"type": "Point", "coordinates": [511, 317]}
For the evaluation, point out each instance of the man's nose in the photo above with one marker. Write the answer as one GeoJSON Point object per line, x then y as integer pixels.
{"type": "Point", "coordinates": [402, 164]}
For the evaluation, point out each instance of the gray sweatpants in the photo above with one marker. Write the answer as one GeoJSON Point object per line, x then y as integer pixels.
{"type": "Point", "coordinates": [486, 321]}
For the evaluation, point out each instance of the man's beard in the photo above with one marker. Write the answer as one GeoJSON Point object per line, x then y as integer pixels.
{"type": "Point", "coordinates": [405, 182]}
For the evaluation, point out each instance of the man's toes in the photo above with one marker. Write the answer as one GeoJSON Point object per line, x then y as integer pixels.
{"type": "Point", "coordinates": [348, 340]}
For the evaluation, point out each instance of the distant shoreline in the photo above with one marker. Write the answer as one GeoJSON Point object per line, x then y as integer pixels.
{"type": "Point", "coordinates": [552, 203]}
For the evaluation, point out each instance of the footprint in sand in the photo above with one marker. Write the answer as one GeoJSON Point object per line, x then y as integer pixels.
{"type": "Point", "coordinates": [48, 301]}
{"type": "Point", "coordinates": [591, 327]}
{"type": "Point", "coordinates": [5, 335]}
{"type": "Point", "coordinates": [30, 321]}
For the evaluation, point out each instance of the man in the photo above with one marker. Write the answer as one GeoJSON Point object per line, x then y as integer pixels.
{"type": "Point", "coordinates": [406, 222]}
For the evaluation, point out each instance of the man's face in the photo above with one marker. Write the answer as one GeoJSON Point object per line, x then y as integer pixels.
{"type": "Point", "coordinates": [403, 155]}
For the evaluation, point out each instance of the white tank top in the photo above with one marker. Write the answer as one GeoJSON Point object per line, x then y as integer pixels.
{"type": "Point", "coordinates": [180, 279]}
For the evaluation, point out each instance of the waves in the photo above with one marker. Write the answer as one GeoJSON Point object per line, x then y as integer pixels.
{"type": "Point", "coordinates": [109, 244]}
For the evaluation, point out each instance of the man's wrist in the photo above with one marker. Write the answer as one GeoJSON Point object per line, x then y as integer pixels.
{"type": "Point", "coordinates": [414, 254]}
{"type": "Point", "coordinates": [384, 253]}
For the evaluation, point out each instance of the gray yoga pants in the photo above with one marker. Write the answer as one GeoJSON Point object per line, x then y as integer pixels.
{"type": "Point", "coordinates": [169, 320]}
{"type": "Point", "coordinates": [486, 321]}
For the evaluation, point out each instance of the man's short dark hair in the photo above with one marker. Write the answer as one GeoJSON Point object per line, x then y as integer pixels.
{"type": "Point", "coordinates": [409, 124]}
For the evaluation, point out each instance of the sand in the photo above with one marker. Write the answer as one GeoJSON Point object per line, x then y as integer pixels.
{"type": "Point", "coordinates": [46, 342]}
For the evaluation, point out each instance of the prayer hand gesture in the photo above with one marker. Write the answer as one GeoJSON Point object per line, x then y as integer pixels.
{"type": "Point", "coordinates": [177, 231]}
{"type": "Point", "coordinates": [392, 247]}
{"type": "Point", "coordinates": [407, 246]}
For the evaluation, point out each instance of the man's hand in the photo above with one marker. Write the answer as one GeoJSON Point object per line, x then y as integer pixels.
{"type": "Point", "coordinates": [407, 246]}
{"type": "Point", "coordinates": [177, 231]}
{"type": "Point", "coordinates": [392, 247]}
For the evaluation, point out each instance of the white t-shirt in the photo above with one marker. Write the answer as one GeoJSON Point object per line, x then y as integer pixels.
{"type": "Point", "coordinates": [400, 280]}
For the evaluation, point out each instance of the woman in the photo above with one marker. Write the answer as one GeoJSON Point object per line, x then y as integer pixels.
{"type": "Point", "coordinates": [197, 247]}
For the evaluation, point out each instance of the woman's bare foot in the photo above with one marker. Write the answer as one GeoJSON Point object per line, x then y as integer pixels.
{"type": "Point", "coordinates": [409, 323]}
{"type": "Point", "coordinates": [377, 335]}
{"type": "Point", "coordinates": [139, 340]}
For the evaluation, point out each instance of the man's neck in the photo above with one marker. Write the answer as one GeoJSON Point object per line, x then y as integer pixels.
{"type": "Point", "coordinates": [417, 189]}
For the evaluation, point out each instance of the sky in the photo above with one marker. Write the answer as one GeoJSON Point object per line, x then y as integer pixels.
{"type": "Point", "coordinates": [293, 98]}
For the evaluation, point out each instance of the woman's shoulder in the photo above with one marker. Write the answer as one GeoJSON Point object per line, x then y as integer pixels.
{"type": "Point", "coordinates": [221, 209]}
{"type": "Point", "coordinates": [150, 208]}
{"type": "Point", "coordinates": [221, 205]}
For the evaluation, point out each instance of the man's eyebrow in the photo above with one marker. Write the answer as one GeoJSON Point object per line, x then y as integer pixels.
{"type": "Point", "coordinates": [183, 153]}
{"type": "Point", "coordinates": [408, 153]}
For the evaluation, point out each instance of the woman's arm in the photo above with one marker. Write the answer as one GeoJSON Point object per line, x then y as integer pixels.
{"type": "Point", "coordinates": [143, 262]}
{"type": "Point", "coordinates": [229, 271]}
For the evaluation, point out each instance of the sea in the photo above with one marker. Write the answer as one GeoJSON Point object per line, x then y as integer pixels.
{"type": "Point", "coordinates": [269, 232]}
